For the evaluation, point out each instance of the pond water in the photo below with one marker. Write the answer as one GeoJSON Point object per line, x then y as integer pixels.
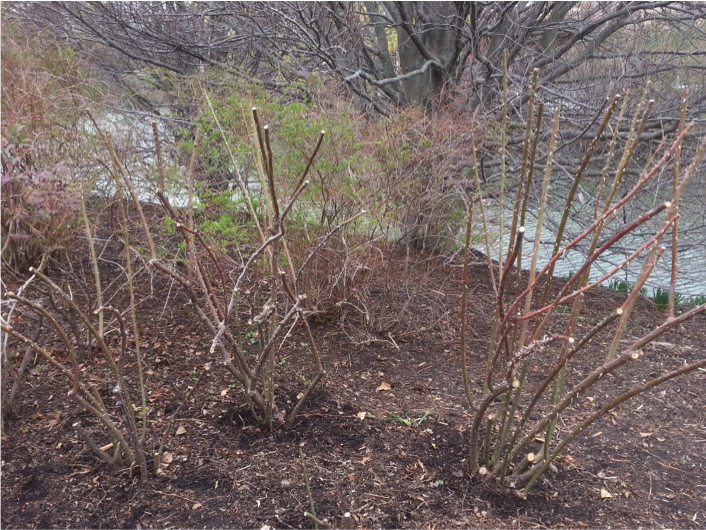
{"type": "Point", "coordinates": [691, 277]}
{"type": "Point", "coordinates": [692, 252]}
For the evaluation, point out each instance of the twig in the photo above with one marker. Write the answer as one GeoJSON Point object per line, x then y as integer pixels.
{"type": "Point", "coordinates": [308, 491]}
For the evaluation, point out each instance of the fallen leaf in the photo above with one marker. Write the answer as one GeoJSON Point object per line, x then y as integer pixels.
{"type": "Point", "coordinates": [361, 415]}
{"type": "Point", "coordinates": [365, 459]}
{"type": "Point", "coordinates": [300, 395]}
{"type": "Point", "coordinates": [180, 430]}
{"type": "Point", "coordinates": [224, 391]}
{"type": "Point", "coordinates": [605, 494]}
{"type": "Point", "coordinates": [383, 386]}
{"type": "Point", "coordinates": [646, 434]}
{"type": "Point", "coordinates": [196, 506]}
{"type": "Point", "coordinates": [581, 524]}
{"type": "Point", "coordinates": [167, 457]}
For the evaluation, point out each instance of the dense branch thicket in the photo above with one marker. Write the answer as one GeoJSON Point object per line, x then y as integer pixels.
{"type": "Point", "coordinates": [397, 53]}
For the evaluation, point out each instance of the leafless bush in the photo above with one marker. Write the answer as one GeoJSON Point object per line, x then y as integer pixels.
{"type": "Point", "coordinates": [45, 156]}
{"type": "Point", "coordinates": [522, 326]}
{"type": "Point", "coordinates": [79, 333]}
{"type": "Point", "coordinates": [267, 285]}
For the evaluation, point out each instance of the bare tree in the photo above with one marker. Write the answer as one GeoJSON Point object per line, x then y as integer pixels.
{"type": "Point", "coordinates": [404, 52]}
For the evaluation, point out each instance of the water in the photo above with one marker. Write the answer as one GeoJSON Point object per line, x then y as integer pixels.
{"type": "Point", "coordinates": [691, 277]}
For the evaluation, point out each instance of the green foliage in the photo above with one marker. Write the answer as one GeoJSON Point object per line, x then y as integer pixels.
{"type": "Point", "coordinates": [408, 420]}
{"type": "Point", "coordinates": [694, 301]}
{"type": "Point", "coordinates": [624, 287]}
{"type": "Point", "coordinates": [661, 298]}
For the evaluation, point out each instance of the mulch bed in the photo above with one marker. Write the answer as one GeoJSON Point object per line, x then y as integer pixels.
{"type": "Point", "coordinates": [387, 470]}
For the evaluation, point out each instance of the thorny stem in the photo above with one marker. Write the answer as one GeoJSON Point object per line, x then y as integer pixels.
{"type": "Point", "coordinates": [479, 198]}
{"type": "Point", "coordinates": [607, 408]}
{"type": "Point", "coordinates": [503, 341]}
{"type": "Point", "coordinates": [131, 288]}
{"type": "Point", "coordinates": [94, 261]}
{"type": "Point", "coordinates": [308, 488]}
{"type": "Point", "coordinates": [77, 311]}
{"type": "Point", "coordinates": [647, 268]}
{"type": "Point", "coordinates": [523, 166]}
{"type": "Point", "coordinates": [599, 281]}
{"type": "Point", "coordinates": [503, 164]}
{"type": "Point", "coordinates": [572, 192]}
{"type": "Point", "coordinates": [616, 207]}
{"type": "Point", "coordinates": [578, 389]}
{"type": "Point", "coordinates": [561, 362]}
{"type": "Point", "coordinates": [675, 201]}
{"type": "Point", "coordinates": [464, 300]}
{"type": "Point", "coordinates": [124, 395]}
{"type": "Point", "coordinates": [478, 419]}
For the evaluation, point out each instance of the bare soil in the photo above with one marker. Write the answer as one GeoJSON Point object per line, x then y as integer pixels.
{"type": "Point", "coordinates": [649, 456]}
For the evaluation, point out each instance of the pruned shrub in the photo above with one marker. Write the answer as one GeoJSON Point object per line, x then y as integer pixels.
{"type": "Point", "coordinates": [514, 439]}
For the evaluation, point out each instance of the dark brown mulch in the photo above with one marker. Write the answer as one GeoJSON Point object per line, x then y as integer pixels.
{"type": "Point", "coordinates": [649, 455]}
